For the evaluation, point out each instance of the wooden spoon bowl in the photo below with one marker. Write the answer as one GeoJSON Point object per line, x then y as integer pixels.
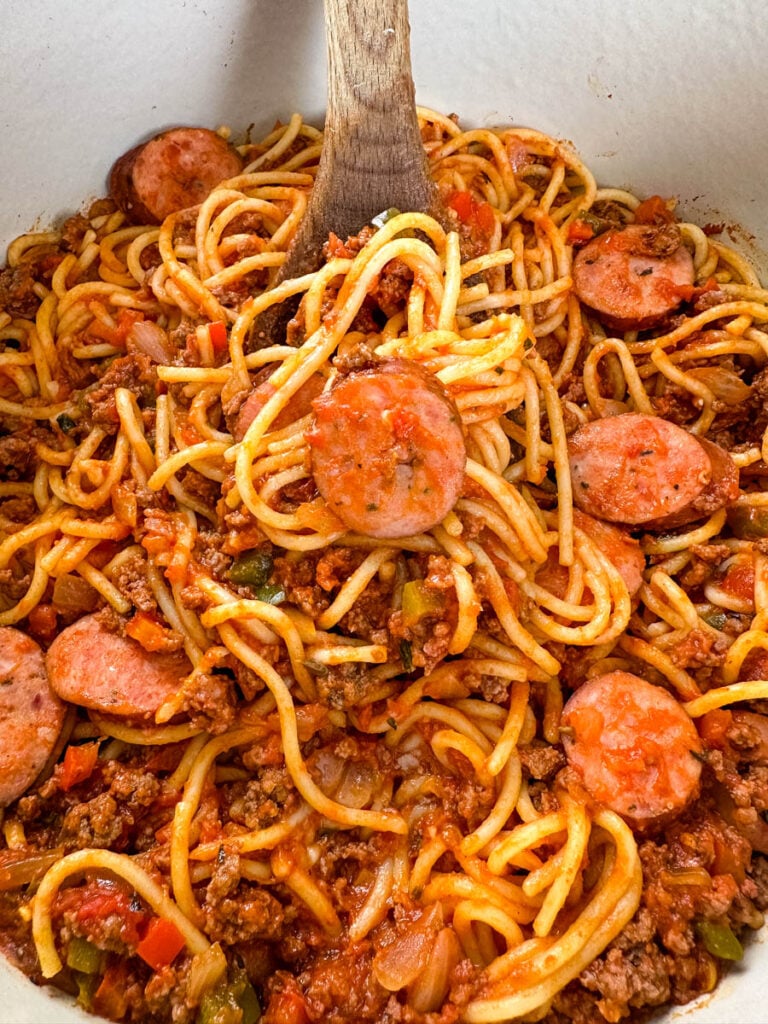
{"type": "Point", "coordinates": [373, 158]}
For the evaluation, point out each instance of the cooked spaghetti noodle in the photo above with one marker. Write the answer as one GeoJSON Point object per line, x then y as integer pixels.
{"type": "Point", "coordinates": [351, 791]}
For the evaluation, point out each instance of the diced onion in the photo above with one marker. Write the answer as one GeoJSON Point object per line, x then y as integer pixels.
{"type": "Point", "coordinates": [18, 869]}
{"type": "Point", "coordinates": [427, 993]}
{"type": "Point", "coordinates": [152, 340]}
{"type": "Point", "coordinates": [690, 876]}
{"type": "Point", "coordinates": [357, 786]}
{"type": "Point", "coordinates": [205, 971]}
{"type": "Point", "coordinates": [72, 594]}
{"type": "Point", "coordinates": [724, 384]}
{"type": "Point", "coordinates": [402, 960]}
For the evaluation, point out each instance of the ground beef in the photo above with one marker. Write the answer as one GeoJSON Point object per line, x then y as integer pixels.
{"type": "Point", "coordinates": [676, 405]}
{"type": "Point", "coordinates": [250, 227]}
{"type": "Point", "coordinates": [18, 510]}
{"type": "Point", "coordinates": [249, 683]}
{"type": "Point", "coordinates": [572, 390]}
{"type": "Point", "coordinates": [699, 649]}
{"type": "Point", "coordinates": [133, 788]}
{"type": "Point", "coordinates": [297, 493]}
{"type": "Point", "coordinates": [429, 639]}
{"type": "Point", "coordinates": [298, 579]}
{"type": "Point", "coordinates": [743, 424]}
{"type": "Point", "coordinates": [542, 797]}
{"type": "Point", "coordinates": [74, 374]}
{"type": "Point", "coordinates": [16, 291]}
{"type": "Point", "coordinates": [393, 287]}
{"type": "Point", "coordinates": [182, 335]}
{"type": "Point", "coordinates": [473, 802]}
{"type": "Point", "coordinates": [17, 455]}
{"type": "Point", "coordinates": [334, 248]}
{"type": "Point", "coordinates": [130, 578]}
{"type": "Point", "coordinates": [15, 937]}
{"type": "Point", "coordinates": [210, 701]}
{"type": "Point", "coordinates": [758, 872]}
{"type": "Point", "coordinates": [209, 554]}
{"type": "Point", "coordinates": [674, 907]}
{"type": "Point", "coordinates": [491, 688]}
{"type": "Point", "coordinates": [704, 560]}
{"type": "Point", "coordinates": [107, 819]}
{"type": "Point", "coordinates": [622, 979]}
{"type": "Point", "coordinates": [242, 533]}
{"type": "Point", "coordinates": [200, 487]}
{"type": "Point", "coordinates": [124, 992]}
{"type": "Point", "coordinates": [235, 293]}
{"type": "Point", "coordinates": [259, 802]}
{"type": "Point", "coordinates": [103, 911]}
{"type": "Point", "coordinates": [542, 762]}
{"type": "Point", "coordinates": [346, 855]}
{"type": "Point", "coordinates": [330, 996]}
{"type": "Point", "coordinates": [659, 240]}
{"type": "Point", "coordinates": [368, 618]}
{"type": "Point", "coordinates": [232, 402]}
{"type": "Point", "coordinates": [335, 566]}
{"type": "Point", "coordinates": [346, 685]}
{"type": "Point", "coordinates": [14, 582]}
{"type": "Point", "coordinates": [248, 913]}
{"type": "Point", "coordinates": [96, 823]}
{"type": "Point", "coordinates": [225, 878]}
{"type": "Point", "coordinates": [359, 356]}
{"type": "Point", "coordinates": [709, 298]}
{"type": "Point", "coordinates": [134, 372]}
{"type": "Point", "coordinates": [72, 231]}
{"type": "Point", "coordinates": [165, 994]}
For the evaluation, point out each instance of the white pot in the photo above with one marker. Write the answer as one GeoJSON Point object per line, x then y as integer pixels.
{"type": "Point", "coordinates": [666, 96]}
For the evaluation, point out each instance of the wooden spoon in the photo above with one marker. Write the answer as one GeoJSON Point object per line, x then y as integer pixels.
{"type": "Point", "coordinates": [373, 158]}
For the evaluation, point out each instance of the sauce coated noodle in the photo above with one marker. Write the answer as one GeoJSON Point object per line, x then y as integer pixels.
{"type": "Point", "coordinates": [411, 669]}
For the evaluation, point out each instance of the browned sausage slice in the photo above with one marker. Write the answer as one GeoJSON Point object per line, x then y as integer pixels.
{"type": "Point", "coordinates": [640, 469]}
{"type": "Point", "coordinates": [299, 406]}
{"type": "Point", "coordinates": [635, 276]}
{"type": "Point", "coordinates": [387, 448]}
{"type": "Point", "coordinates": [754, 666]}
{"type": "Point", "coordinates": [90, 666]}
{"type": "Point", "coordinates": [621, 550]}
{"type": "Point", "coordinates": [172, 171]}
{"type": "Point", "coordinates": [723, 488]}
{"type": "Point", "coordinates": [633, 746]}
{"type": "Point", "coordinates": [31, 715]}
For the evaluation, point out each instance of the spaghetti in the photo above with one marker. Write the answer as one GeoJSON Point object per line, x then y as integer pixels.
{"type": "Point", "coordinates": [333, 769]}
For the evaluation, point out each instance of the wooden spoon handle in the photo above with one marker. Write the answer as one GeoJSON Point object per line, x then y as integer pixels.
{"type": "Point", "coordinates": [374, 148]}
{"type": "Point", "coordinates": [373, 158]}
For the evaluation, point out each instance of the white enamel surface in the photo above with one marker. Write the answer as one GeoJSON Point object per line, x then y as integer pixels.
{"type": "Point", "coordinates": [666, 96]}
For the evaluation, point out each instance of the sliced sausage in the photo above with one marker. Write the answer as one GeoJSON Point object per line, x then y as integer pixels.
{"type": "Point", "coordinates": [754, 666]}
{"type": "Point", "coordinates": [723, 488]}
{"type": "Point", "coordinates": [31, 715]}
{"type": "Point", "coordinates": [621, 550]}
{"type": "Point", "coordinates": [387, 449]}
{"type": "Point", "coordinates": [299, 406]}
{"type": "Point", "coordinates": [174, 170]}
{"type": "Point", "coordinates": [94, 668]}
{"type": "Point", "coordinates": [640, 469]}
{"type": "Point", "coordinates": [633, 746]}
{"type": "Point", "coordinates": [633, 277]}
